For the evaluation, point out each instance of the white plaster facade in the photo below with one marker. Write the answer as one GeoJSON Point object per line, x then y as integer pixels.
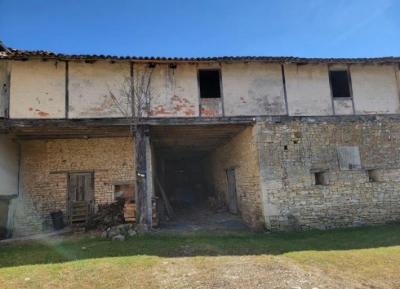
{"type": "Point", "coordinates": [92, 85]}
{"type": "Point", "coordinates": [253, 89]}
{"type": "Point", "coordinates": [37, 89]}
{"type": "Point", "coordinates": [40, 89]}
{"type": "Point", "coordinates": [308, 90]}
{"type": "Point", "coordinates": [174, 91]}
{"type": "Point", "coordinates": [375, 89]}
{"type": "Point", "coordinates": [4, 87]}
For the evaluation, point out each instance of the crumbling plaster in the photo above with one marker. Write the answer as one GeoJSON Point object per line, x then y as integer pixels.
{"type": "Point", "coordinates": [253, 89]}
{"type": "Point", "coordinates": [343, 106]}
{"type": "Point", "coordinates": [174, 91]}
{"type": "Point", "coordinates": [92, 87]}
{"type": "Point", "coordinates": [374, 89]}
{"type": "Point", "coordinates": [308, 90]}
{"type": "Point", "coordinates": [37, 89]}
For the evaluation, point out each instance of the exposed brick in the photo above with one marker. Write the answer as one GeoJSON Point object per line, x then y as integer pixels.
{"type": "Point", "coordinates": [45, 165]}
{"type": "Point", "coordinates": [241, 153]}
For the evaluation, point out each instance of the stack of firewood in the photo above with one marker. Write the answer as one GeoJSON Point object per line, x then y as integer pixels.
{"type": "Point", "coordinates": [107, 215]}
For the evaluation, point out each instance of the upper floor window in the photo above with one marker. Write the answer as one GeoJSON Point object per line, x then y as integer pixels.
{"type": "Point", "coordinates": [209, 81]}
{"type": "Point", "coordinates": [340, 83]}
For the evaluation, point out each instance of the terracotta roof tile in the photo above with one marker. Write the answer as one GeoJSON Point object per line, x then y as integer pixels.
{"type": "Point", "coordinates": [25, 54]}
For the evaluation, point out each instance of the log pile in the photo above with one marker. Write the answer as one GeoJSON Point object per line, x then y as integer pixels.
{"type": "Point", "coordinates": [107, 215]}
{"type": "Point", "coordinates": [116, 213]}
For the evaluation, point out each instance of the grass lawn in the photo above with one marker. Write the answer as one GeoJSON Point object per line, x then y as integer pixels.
{"type": "Point", "coordinates": [349, 258]}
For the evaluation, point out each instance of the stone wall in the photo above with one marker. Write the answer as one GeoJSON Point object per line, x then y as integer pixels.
{"type": "Point", "coordinates": [291, 172]}
{"type": "Point", "coordinates": [44, 170]}
{"type": "Point", "coordinates": [292, 151]}
{"type": "Point", "coordinates": [242, 155]}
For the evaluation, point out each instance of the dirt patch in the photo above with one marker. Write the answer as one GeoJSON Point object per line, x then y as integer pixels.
{"type": "Point", "coordinates": [203, 219]}
{"type": "Point", "coordinates": [241, 272]}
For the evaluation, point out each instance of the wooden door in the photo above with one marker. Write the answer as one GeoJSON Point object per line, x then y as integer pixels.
{"type": "Point", "coordinates": [80, 196]}
{"type": "Point", "coordinates": [232, 195]}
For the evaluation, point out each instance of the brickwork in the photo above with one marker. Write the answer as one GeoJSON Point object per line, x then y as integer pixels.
{"type": "Point", "coordinates": [44, 169]}
{"type": "Point", "coordinates": [292, 151]}
{"type": "Point", "coordinates": [275, 164]}
{"type": "Point", "coordinates": [242, 155]}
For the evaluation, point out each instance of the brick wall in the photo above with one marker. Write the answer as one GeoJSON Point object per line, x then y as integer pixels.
{"type": "Point", "coordinates": [292, 151]}
{"type": "Point", "coordinates": [274, 163]}
{"type": "Point", "coordinates": [44, 169]}
{"type": "Point", "coordinates": [240, 153]}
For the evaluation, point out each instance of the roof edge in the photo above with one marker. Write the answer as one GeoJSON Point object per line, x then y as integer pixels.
{"type": "Point", "coordinates": [17, 54]}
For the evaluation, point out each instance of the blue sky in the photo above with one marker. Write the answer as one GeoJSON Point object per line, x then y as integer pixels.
{"type": "Point", "coordinates": [308, 28]}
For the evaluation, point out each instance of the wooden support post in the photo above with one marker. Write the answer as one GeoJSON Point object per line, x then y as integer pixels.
{"type": "Point", "coordinates": [149, 179]}
{"type": "Point", "coordinates": [143, 220]}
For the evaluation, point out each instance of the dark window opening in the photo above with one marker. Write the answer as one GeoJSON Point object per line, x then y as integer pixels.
{"type": "Point", "coordinates": [340, 83]}
{"type": "Point", "coordinates": [321, 178]}
{"type": "Point", "coordinates": [209, 84]}
{"type": "Point", "coordinates": [373, 176]}
{"type": "Point", "coordinates": [125, 191]}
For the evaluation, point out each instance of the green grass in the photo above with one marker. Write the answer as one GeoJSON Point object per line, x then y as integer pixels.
{"type": "Point", "coordinates": [368, 256]}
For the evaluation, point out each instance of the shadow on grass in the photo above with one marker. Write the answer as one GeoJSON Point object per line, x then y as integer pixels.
{"type": "Point", "coordinates": [198, 244]}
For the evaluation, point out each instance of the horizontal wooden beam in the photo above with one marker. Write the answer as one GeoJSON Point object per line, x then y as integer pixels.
{"type": "Point", "coordinates": [94, 122]}
{"type": "Point", "coordinates": [111, 127]}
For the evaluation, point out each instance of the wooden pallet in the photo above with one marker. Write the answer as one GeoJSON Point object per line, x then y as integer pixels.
{"type": "Point", "coordinates": [79, 212]}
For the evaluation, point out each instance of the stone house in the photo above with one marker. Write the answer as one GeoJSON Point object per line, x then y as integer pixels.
{"type": "Point", "coordinates": [286, 143]}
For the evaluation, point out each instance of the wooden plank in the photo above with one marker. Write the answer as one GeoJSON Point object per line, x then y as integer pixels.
{"type": "Point", "coordinates": [168, 207]}
{"type": "Point", "coordinates": [232, 194]}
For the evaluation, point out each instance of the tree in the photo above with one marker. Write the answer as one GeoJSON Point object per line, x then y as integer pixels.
{"type": "Point", "coordinates": [134, 104]}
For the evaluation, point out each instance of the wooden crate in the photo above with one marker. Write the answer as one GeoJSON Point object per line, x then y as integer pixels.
{"type": "Point", "coordinates": [130, 213]}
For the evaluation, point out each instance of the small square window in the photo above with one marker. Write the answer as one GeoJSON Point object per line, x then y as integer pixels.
{"type": "Point", "coordinates": [321, 178]}
{"type": "Point", "coordinates": [125, 191]}
{"type": "Point", "coordinates": [209, 81]}
{"type": "Point", "coordinates": [373, 176]}
{"type": "Point", "coordinates": [340, 83]}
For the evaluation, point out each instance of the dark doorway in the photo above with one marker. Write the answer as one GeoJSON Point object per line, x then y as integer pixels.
{"type": "Point", "coordinates": [188, 181]}
{"type": "Point", "coordinates": [185, 181]}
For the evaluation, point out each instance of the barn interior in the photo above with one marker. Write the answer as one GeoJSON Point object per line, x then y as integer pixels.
{"type": "Point", "coordinates": [183, 173]}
